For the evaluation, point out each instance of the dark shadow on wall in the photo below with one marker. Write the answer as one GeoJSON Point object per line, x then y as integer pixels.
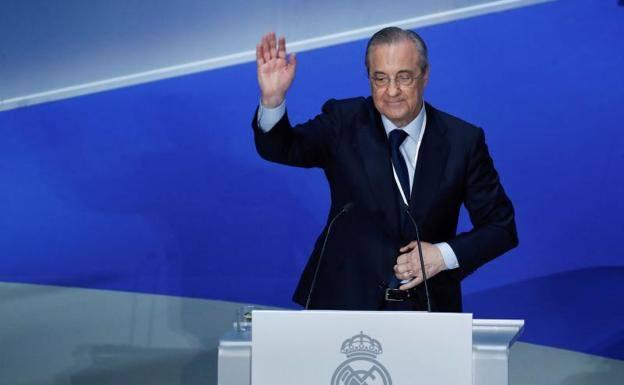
{"type": "Point", "coordinates": [580, 310]}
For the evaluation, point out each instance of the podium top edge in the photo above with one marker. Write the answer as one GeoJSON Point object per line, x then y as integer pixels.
{"type": "Point", "coordinates": [498, 322]}
{"type": "Point", "coordinates": [475, 322]}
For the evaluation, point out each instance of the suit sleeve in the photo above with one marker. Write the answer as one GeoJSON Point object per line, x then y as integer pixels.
{"type": "Point", "coordinates": [490, 210]}
{"type": "Point", "coordinates": [311, 144]}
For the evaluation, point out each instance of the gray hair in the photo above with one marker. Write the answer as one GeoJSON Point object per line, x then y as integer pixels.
{"type": "Point", "coordinates": [392, 35]}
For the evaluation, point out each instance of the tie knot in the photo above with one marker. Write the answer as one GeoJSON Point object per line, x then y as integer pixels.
{"type": "Point", "coordinates": [396, 138]}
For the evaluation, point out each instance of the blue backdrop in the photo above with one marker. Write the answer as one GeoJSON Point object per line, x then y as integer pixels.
{"type": "Point", "coordinates": [157, 188]}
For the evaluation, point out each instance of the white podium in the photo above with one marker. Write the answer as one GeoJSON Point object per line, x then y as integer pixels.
{"type": "Point", "coordinates": [491, 340]}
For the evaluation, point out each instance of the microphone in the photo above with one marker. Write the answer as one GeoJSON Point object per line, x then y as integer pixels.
{"type": "Point", "coordinates": [420, 254]}
{"type": "Point", "coordinates": [345, 208]}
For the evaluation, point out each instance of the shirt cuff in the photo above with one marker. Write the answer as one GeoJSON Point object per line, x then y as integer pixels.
{"type": "Point", "coordinates": [450, 259]}
{"type": "Point", "coordinates": [268, 117]}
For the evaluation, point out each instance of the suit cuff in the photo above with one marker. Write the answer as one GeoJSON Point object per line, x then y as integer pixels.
{"type": "Point", "coordinates": [450, 259]}
{"type": "Point", "coordinates": [268, 117]}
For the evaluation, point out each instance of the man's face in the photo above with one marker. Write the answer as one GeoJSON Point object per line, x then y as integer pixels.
{"type": "Point", "coordinates": [399, 103]}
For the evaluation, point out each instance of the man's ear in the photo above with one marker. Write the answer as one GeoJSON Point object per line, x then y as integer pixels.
{"type": "Point", "coordinates": [426, 76]}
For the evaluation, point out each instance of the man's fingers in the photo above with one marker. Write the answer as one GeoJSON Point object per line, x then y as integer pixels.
{"type": "Point", "coordinates": [266, 53]}
{"type": "Point", "coordinates": [281, 48]}
{"type": "Point", "coordinates": [403, 258]}
{"type": "Point", "coordinates": [404, 276]}
{"type": "Point", "coordinates": [266, 47]}
{"type": "Point", "coordinates": [405, 267]}
{"type": "Point", "coordinates": [416, 273]}
{"type": "Point", "coordinates": [402, 268]}
{"type": "Point", "coordinates": [259, 59]}
{"type": "Point", "coordinates": [293, 61]}
{"type": "Point", "coordinates": [408, 247]}
{"type": "Point", "coordinates": [273, 46]}
{"type": "Point", "coordinates": [404, 272]}
{"type": "Point", "coordinates": [411, 284]}
{"type": "Point", "coordinates": [409, 264]}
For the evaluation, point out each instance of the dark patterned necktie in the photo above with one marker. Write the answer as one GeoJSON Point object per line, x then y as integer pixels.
{"type": "Point", "coordinates": [396, 138]}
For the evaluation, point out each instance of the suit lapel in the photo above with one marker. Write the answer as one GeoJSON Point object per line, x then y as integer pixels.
{"type": "Point", "coordinates": [375, 156]}
{"type": "Point", "coordinates": [430, 166]}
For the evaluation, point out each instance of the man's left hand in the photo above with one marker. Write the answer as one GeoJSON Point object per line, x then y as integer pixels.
{"type": "Point", "coordinates": [408, 263]}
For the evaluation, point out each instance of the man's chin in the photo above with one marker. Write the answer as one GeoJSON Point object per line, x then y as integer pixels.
{"type": "Point", "coordinates": [395, 109]}
{"type": "Point", "coordinates": [395, 106]}
{"type": "Point", "coordinates": [395, 115]}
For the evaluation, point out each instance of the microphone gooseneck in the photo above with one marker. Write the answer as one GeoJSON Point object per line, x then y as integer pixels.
{"type": "Point", "coordinates": [420, 255]}
{"type": "Point", "coordinates": [346, 208]}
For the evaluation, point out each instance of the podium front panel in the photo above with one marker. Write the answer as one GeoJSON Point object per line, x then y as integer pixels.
{"type": "Point", "coordinates": [345, 348]}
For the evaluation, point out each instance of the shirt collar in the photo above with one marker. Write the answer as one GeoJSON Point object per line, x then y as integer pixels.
{"type": "Point", "coordinates": [412, 128]}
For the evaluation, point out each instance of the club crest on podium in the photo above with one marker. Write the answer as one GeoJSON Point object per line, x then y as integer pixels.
{"type": "Point", "coordinates": [361, 366]}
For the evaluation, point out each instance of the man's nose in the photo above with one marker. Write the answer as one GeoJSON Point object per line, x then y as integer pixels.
{"type": "Point", "coordinates": [393, 89]}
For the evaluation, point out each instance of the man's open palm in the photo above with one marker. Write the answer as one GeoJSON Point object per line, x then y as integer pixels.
{"type": "Point", "coordinates": [276, 71]}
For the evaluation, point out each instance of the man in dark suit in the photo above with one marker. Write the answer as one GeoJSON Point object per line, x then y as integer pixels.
{"type": "Point", "coordinates": [391, 156]}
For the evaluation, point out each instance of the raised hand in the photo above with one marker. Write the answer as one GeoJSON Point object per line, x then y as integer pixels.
{"type": "Point", "coordinates": [276, 71]}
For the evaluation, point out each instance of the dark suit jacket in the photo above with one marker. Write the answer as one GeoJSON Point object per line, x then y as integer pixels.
{"type": "Point", "coordinates": [348, 142]}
